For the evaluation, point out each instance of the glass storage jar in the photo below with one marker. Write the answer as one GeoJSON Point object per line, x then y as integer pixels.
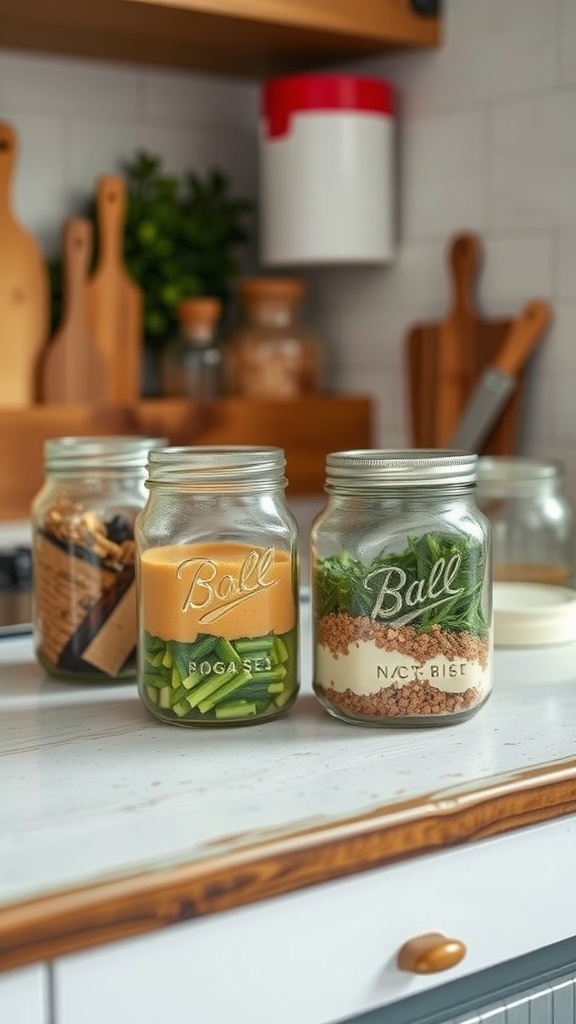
{"type": "Point", "coordinates": [191, 363]}
{"type": "Point", "coordinates": [272, 354]}
{"type": "Point", "coordinates": [83, 564]}
{"type": "Point", "coordinates": [401, 590]}
{"type": "Point", "coordinates": [532, 520]}
{"type": "Point", "coordinates": [217, 567]}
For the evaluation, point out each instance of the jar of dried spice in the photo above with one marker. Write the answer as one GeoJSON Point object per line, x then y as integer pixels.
{"type": "Point", "coordinates": [401, 589]}
{"type": "Point", "coordinates": [218, 587]}
{"type": "Point", "coordinates": [84, 594]}
{"type": "Point", "coordinates": [272, 353]}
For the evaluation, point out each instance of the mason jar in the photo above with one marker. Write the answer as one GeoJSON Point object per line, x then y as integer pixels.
{"type": "Point", "coordinates": [401, 589]}
{"type": "Point", "coordinates": [217, 570]}
{"type": "Point", "coordinates": [83, 562]}
{"type": "Point", "coordinates": [531, 518]}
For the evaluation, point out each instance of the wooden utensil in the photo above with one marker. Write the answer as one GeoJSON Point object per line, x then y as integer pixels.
{"type": "Point", "coordinates": [439, 373]}
{"type": "Point", "coordinates": [114, 299]}
{"type": "Point", "coordinates": [24, 294]}
{"type": "Point", "coordinates": [73, 369]}
{"type": "Point", "coordinates": [498, 380]}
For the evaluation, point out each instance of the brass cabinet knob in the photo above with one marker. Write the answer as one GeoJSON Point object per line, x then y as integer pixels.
{"type": "Point", "coordinates": [426, 954]}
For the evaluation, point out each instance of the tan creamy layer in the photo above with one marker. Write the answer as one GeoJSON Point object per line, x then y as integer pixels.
{"type": "Point", "coordinates": [366, 669]}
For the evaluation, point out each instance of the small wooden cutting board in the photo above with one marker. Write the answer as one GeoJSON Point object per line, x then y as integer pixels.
{"type": "Point", "coordinates": [24, 294]}
{"type": "Point", "coordinates": [114, 299]}
{"type": "Point", "coordinates": [445, 360]}
{"type": "Point", "coordinates": [73, 369]}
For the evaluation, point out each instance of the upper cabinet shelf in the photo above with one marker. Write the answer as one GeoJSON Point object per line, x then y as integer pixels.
{"type": "Point", "coordinates": [240, 37]}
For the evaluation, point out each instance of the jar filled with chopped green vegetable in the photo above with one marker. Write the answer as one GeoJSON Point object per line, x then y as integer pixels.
{"type": "Point", "coordinates": [217, 568]}
{"type": "Point", "coordinates": [401, 589]}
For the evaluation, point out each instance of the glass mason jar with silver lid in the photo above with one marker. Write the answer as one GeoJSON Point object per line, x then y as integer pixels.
{"type": "Point", "coordinates": [84, 589]}
{"type": "Point", "coordinates": [401, 589]}
{"type": "Point", "coordinates": [217, 565]}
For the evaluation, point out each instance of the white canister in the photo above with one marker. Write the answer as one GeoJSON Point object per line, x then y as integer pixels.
{"type": "Point", "coordinates": [326, 170]}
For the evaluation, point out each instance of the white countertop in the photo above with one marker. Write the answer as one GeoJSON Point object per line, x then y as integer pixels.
{"type": "Point", "coordinates": [92, 787]}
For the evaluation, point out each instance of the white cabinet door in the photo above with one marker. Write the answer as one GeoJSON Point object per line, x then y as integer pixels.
{"type": "Point", "coordinates": [24, 996]}
{"type": "Point", "coordinates": [329, 952]}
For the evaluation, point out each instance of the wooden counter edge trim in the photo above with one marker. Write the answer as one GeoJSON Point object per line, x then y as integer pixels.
{"type": "Point", "coordinates": [79, 918]}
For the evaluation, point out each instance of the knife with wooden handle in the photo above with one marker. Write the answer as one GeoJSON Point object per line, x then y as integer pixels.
{"type": "Point", "coordinates": [499, 380]}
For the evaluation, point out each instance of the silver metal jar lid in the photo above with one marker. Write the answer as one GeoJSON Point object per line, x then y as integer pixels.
{"type": "Point", "coordinates": [403, 468]}
{"type": "Point", "coordinates": [216, 465]}
{"type": "Point", "coordinates": [106, 452]}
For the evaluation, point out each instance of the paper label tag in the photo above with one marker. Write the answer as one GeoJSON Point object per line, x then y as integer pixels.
{"type": "Point", "coordinates": [114, 643]}
{"type": "Point", "coordinates": [82, 606]}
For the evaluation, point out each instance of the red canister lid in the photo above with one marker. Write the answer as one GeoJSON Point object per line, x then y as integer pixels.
{"type": "Point", "coordinates": [291, 94]}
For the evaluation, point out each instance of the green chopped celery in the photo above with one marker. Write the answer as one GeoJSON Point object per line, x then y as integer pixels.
{"type": "Point", "coordinates": [165, 697]}
{"type": "Point", "coordinates": [155, 659]}
{"type": "Point", "coordinates": [226, 651]}
{"type": "Point", "coordinates": [153, 679]}
{"type": "Point", "coordinates": [180, 694]}
{"type": "Point", "coordinates": [215, 696]}
{"type": "Point", "coordinates": [181, 708]}
{"type": "Point", "coordinates": [238, 709]}
{"type": "Point", "coordinates": [275, 687]}
{"type": "Point", "coordinates": [152, 694]}
{"type": "Point", "coordinates": [193, 679]}
{"type": "Point", "coordinates": [175, 679]}
{"type": "Point", "coordinates": [280, 649]}
{"type": "Point", "coordinates": [202, 646]}
{"type": "Point", "coordinates": [251, 645]}
{"type": "Point", "coordinates": [282, 698]}
{"type": "Point", "coordinates": [274, 675]}
{"type": "Point", "coordinates": [213, 682]}
{"type": "Point", "coordinates": [167, 659]}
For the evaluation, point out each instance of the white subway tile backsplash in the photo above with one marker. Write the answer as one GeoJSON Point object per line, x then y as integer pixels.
{"type": "Point", "coordinates": [39, 178]}
{"type": "Point", "coordinates": [567, 41]}
{"type": "Point", "coordinates": [208, 100]}
{"type": "Point", "coordinates": [514, 270]}
{"type": "Point", "coordinates": [533, 165]}
{"type": "Point", "coordinates": [563, 409]}
{"type": "Point", "coordinates": [445, 146]}
{"type": "Point", "coordinates": [564, 265]}
{"type": "Point", "coordinates": [442, 181]}
{"type": "Point", "coordinates": [442, 207]}
{"type": "Point", "coordinates": [68, 86]}
{"type": "Point", "coordinates": [492, 49]}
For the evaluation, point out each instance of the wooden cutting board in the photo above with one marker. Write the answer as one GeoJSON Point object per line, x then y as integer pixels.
{"type": "Point", "coordinates": [444, 360]}
{"type": "Point", "coordinates": [73, 369]}
{"type": "Point", "coordinates": [114, 299]}
{"type": "Point", "coordinates": [24, 293]}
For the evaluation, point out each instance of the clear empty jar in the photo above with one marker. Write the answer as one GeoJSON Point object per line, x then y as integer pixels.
{"type": "Point", "coordinates": [532, 520]}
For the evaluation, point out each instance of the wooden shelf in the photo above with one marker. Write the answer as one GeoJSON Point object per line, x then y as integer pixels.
{"type": "Point", "coordinates": [246, 37]}
{"type": "Point", "coordinates": [307, 429]}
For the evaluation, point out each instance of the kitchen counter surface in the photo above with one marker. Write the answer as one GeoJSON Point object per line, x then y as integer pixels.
{"type": "Point", "coordinates": [114, 824]}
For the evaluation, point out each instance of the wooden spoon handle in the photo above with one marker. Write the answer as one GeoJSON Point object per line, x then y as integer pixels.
{"type": "Point", "coordinates": [523, 336]}
{"type": "Point", "coordinates": [111, 210]}
{"type": "Point", "coordinates": [77, 250]}
{"type": "Point", "coordinates": [8, 148]}
{"type": "Point", "coordinates": [464, 258]}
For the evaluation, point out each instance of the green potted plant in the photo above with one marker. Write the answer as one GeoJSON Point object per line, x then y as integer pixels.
{"type": "Point", "coordinates": [181, 238]}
